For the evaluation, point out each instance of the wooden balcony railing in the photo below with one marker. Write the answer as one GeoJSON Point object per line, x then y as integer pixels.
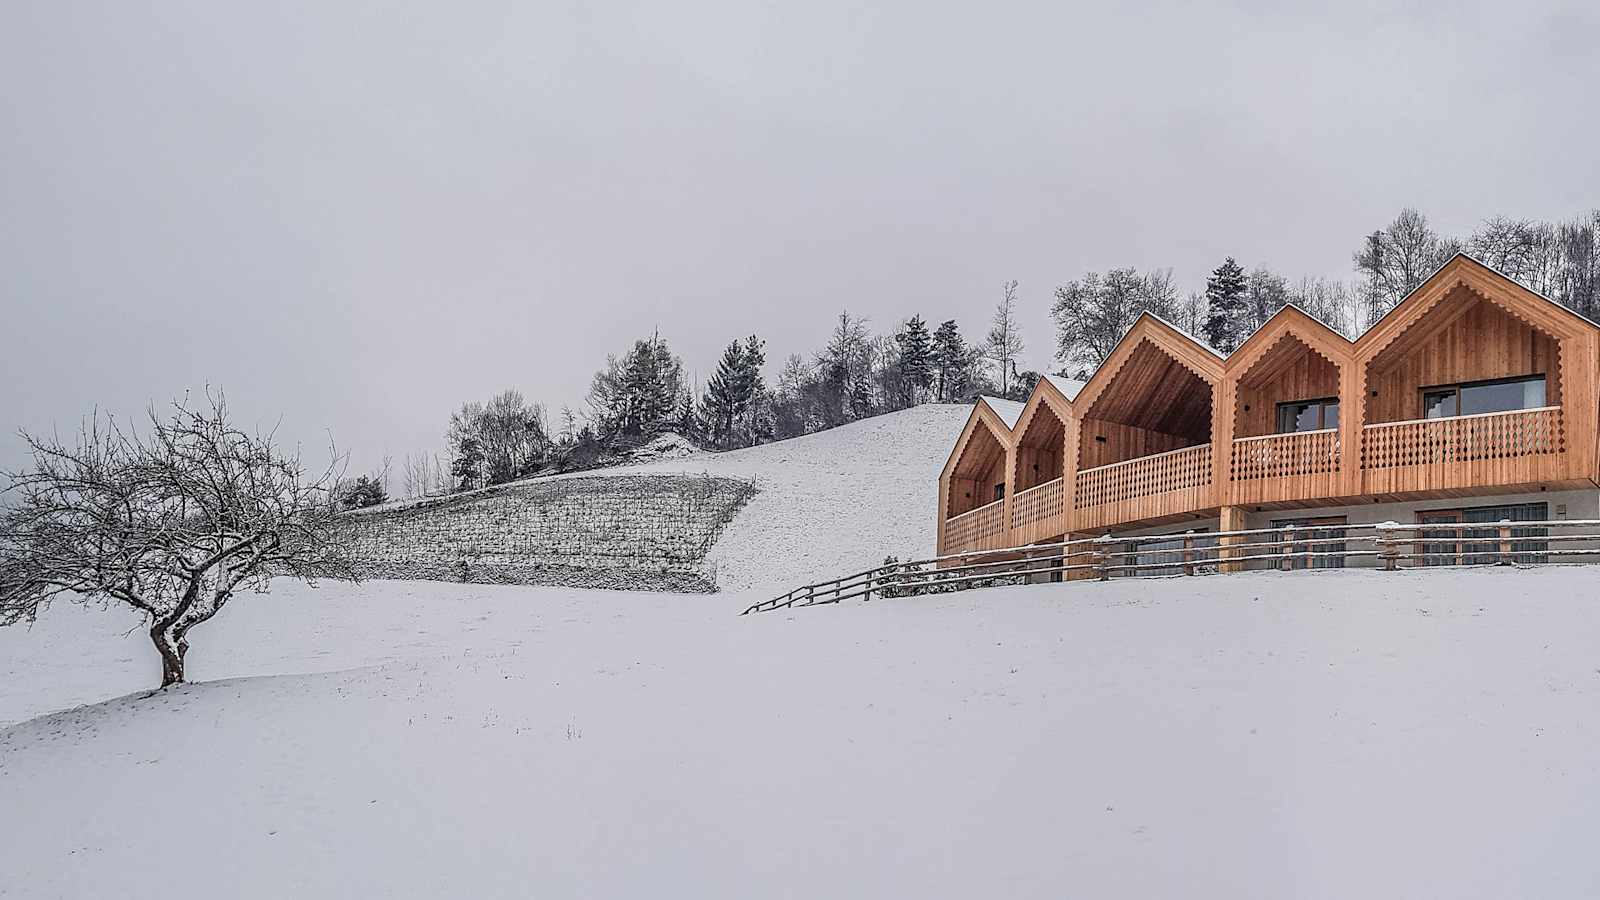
{"type": "Point", "coordinates": [971, 528]}
{"type": "Point", "coordinates": [1174, 470]}
{"type": "Point", "coordinates": [1038, 503]}
{"type": "Point", "coordinates": [1285, 455]}
{"type": "Point", "coordinates": [1463, 439]}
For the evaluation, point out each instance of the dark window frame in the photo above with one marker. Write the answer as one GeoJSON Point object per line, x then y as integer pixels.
{"type": "Point", "coordinates": [1323, 534]}
{"type": "Point", "coordinates": [1445, 547]}
{"type": "Point", "coordinates": [1322, 404]}
{"type": "Point", "coordinates": [1458, 387]}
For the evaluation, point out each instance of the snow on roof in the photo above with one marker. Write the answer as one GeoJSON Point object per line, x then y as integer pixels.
{"type": "Point", "coordinates": [1009, 411]}
{"type": "Point", "coordinates": [1068, 387]}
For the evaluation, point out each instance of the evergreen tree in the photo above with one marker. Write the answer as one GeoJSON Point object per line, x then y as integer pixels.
{"type": "Point", "coordinates": [640, 393]}
{"type": "Point", "coordinates": [916, 361]}
{"type": "Point", "coordinates": [949, 362]}
{"type": "Point", "coordinates": [731, 411]}
{"type": "Point", "coordinates": [1225, 306]}
{"type": "Point", "coordinates": [467, 467]}
{"type": "Point", "coordinates": [363, 492]}
{"type": "Point", "coordinates": [721, 406]}
{"type": "Point", "coordinates": [753, 420]}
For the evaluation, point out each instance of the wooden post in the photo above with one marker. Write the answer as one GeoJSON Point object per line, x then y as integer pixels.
{"type": "Point", "coordinates": [1505, 542]}
{"type": "Point", "coordinates": [1188, 552]}
{"type": "Point", "coordinates": [1102, 557]}
{"type": "Point", "coordinates": [1286, 563]}
{"type": "Point", "coordinates": [1388, 550]}
{"type": "Point", "coordinates": [1230, 518]}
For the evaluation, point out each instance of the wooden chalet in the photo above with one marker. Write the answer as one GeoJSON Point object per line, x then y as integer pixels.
{"type": "Point", "coordinates": [1473, 400]}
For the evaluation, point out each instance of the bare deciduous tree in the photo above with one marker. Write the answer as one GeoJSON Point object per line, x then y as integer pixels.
{"type": "Point", "coordinates": [172, 522]}
{"type": "Point", "coordinates": [1005, 337]}
{"type": "Point", "coordinates": [1094, 312]}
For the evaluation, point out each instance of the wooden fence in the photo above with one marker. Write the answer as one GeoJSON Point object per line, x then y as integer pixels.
{"type": "Point", "coordinates": [1386, 545]}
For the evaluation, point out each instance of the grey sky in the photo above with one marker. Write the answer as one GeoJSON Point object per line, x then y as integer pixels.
{"type": "Point", "coordinates": [358, 215]}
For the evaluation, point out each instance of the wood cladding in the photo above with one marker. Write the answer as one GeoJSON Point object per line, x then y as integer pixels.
{"type": "Point", "coordinates": [1153, 391]}
{"type": "Point", "coordinates": [1481, 342]}
{"type": "Point", "coordinates": [1306, 375]}
{"type": "Point", "coordinates": [1103, 443]}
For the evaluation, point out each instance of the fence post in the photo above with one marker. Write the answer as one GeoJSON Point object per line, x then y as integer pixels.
{"type": "Point", "coordinates": [1286, 562]}
{"type": "Point", "coordinates": [1188, 552]}
{"type": "Point", "coordinates": [1102, 557]}
{"type": "Point", "coordinates": [1505, 542]}
{"type": "Point", "coordinates": [1388, 549]}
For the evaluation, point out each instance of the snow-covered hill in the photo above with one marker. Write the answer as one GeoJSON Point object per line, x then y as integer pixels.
{"type": "Point", "coordinates": [1354, 734]}
{"type": "Point", "coordinates": [830, 502]}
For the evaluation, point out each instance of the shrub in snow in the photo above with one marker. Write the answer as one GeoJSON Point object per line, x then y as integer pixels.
{"type": "Point", "coordinates": [172, 523]}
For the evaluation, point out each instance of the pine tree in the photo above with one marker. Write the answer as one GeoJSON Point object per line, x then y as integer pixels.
{"type": "Point", "coordinates": [467, 466]}
{"type": "Point", "coordinates": [753, 390]}
{"type": "Point", "coordinates": [916, 359]}
{"type": "Point", "coordinates": [949, 361]}
{"type": "Point", "coordinates": [1225, 306]}
{"type": "Point", "coordinates": [720, 407]}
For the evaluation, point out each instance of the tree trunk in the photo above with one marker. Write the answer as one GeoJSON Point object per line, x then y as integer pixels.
{"type": "Point", "coordinates": [172, 654]}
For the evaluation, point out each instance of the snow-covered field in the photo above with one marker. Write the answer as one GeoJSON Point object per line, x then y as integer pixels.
{"type": "Point", "coordinates": [1264, 735]}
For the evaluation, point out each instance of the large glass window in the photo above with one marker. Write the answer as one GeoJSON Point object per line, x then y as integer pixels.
{"type": "Point", "coordinates": [1458, 546]}
{"type": "Point", "coordinates": [1312, 536]}
{"type": "Point", "coordinates": [1307, 415]}
{"type": "Point", "coordinates": [1503, 395]}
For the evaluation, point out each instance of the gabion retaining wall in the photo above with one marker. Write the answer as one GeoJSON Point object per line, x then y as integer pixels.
{"type": "Point", "coordinates": [629, 532]}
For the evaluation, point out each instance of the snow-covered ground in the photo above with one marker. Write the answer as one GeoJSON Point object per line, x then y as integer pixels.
{"type": "Point", "coordinates": [832, 502]}
{"type": "Point", "coordinates": [1261, 735]}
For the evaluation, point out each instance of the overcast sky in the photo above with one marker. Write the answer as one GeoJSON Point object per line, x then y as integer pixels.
{"type": "Point", "coordinates": [357, 216]}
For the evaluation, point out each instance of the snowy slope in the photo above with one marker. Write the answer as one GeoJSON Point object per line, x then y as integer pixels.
{"type": "Point", "coordinates": [1352, 734]}
{"type": "Point", "coordinates": [830, 502]}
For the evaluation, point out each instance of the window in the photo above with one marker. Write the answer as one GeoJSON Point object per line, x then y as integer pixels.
{"type": "Point", "coordinates": [1312, 536]}
{"type": "Point", "coordinates": [1000, 491]}
{"type": "Point", "coordinates": [1458, 546]}
{"type": "Point", "coordinates": [1501, 395]}
{"type": "Point", "coordinates": [1170, 555]}
{"type": "Point", "coordinates": [1307, 415]}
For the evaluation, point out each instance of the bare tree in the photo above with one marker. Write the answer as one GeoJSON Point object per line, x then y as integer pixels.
{"type": "Point", "coordinates": [1005, 337]}
{"type": "Point", "coordinates": [172, 522]}
{"type": "Point", "coordinates": [1399, 258]}
{"type": "Point", "coordinates": [1094, 312]}
{"type": "Point", "coordinates": [1339, 307]}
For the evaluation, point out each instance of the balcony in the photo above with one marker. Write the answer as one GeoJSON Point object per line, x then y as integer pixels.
{"type": "Point", "coordinates": [983, 528]}
{"type": "Point", "coordinates": [1146, 487]}
{"type": "Point", "coordinates": [1518, 447]}
{"type": "Point", "coordinates": [1036, 511]}
{"type": "Point", "coordinates": [1300, 465]}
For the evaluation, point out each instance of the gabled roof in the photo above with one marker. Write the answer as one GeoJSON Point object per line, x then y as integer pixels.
{"type": "Point", "coordinates": [1069, 387]}
{"type": "Point", "coordinates": [1009, 411]}
{"type": "Point", "coordinates": [1488, 284]}
{"type": "Point", "coordinates": [1289, 321]}
{"type": "Point", "coordinates": [1204, 362]}
{"type": "Point", "coordinates": [983, 417]}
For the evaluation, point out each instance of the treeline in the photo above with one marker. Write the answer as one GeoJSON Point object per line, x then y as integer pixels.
{"type": "Point", "coordinates": [1558, 259]}
{"type": "Point", "coordinates": [644, 393]}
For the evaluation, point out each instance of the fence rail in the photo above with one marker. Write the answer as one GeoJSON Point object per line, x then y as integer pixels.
{"type": "Point", "coordinates": [1193, 553]}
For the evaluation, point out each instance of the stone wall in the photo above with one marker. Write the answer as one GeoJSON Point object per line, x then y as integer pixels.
{"type": "Point", "coordinates": [628, 532]}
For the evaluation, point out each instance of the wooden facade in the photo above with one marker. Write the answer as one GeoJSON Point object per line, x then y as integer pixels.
{"type": "Point", "coordinates": [1166, 430]}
